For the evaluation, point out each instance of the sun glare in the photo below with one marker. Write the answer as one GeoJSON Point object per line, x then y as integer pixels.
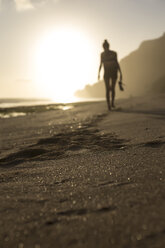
{"type": "Point", "coordinates": [64, 63]}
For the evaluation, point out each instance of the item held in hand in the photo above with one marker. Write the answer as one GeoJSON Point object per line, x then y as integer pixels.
{"type": "Point", "coordinates": [121, 86]}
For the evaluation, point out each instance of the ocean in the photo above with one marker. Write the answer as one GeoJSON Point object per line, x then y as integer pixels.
{"type": "Point", "coordinates": [16, 102]}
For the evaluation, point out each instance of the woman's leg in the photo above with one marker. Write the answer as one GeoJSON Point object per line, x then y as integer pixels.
{"type": "Point", "coordinates": [107, 87]}
{"type": "Point", "coordinates": [113, 91]}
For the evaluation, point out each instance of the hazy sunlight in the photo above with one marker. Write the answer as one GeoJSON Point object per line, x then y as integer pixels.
{"type": "Point", "coordinates": [65, 62]}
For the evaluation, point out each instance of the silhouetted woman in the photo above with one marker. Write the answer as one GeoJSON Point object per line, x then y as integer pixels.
{"type": "Point", "coordinates": [111, 68]}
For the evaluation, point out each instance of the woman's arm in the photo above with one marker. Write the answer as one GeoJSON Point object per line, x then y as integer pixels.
{"type": "Point", "coordinates": [121, 76]}
{"type": "Point", "coordinates": [119, 69]}
{"type": "Point", "coordinates": [100, 68]}
{"type": "Point", "coordinates": [99, 71]}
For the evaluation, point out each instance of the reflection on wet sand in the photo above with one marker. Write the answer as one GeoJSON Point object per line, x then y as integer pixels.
{"type": "Point", "coordinates": [62, 107]}
{"type": "Point", "coordinates": [14, 114]}
{"type": "Point", "coordinates": [22, 111]}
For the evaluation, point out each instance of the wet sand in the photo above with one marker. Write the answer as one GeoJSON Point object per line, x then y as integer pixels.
{"type": "Point", "coordinates": [84, 177]}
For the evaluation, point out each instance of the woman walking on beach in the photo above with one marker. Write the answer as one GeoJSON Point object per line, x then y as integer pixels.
{"type": "Point", "coordinates": [111, 68]}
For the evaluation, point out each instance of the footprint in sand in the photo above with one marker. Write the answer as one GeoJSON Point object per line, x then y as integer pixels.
{"type": "Point", "coordinates": [154, 143]}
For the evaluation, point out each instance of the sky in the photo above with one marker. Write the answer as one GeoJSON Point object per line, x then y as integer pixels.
{"type": "Point", "coordinates": [51, 48]}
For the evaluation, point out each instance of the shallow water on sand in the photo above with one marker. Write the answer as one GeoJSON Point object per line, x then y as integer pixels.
{"type": "Point", "coordinates": [10, 108]}
{"type": "Point", "coordinates": [24, 110]}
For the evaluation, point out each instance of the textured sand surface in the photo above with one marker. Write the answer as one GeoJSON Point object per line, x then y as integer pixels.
{"type": "Point", "coordinates": [84, 177]}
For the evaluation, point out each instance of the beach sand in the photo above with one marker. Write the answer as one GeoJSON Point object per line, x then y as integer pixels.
{"type": "Point", "coordinates": [84, 177]}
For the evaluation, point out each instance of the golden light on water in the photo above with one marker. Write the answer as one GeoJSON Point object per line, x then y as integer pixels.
{"type": "Point", "coordinates": [64, 63]}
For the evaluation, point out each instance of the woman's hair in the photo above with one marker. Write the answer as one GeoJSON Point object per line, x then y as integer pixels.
{"type": "Point", "coordinates": [105, 44]}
